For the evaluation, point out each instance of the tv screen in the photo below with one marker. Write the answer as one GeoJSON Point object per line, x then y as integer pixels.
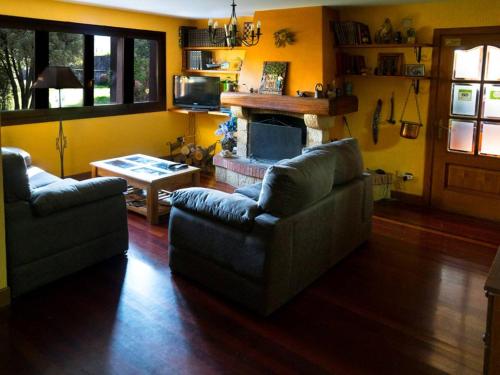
{"type": "Point", "coordinates": [197, 92]}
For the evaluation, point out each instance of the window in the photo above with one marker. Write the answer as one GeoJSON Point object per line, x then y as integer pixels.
{"type": "Point", "coordinates": [17, 69]}
{"type": "Point", "coordinates": [122, 71]}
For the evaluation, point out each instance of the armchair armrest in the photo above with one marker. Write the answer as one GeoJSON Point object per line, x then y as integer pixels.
{"type": "Point", "coordinates": [232, 209]}
{"type": "Point", "coordinates": [68, 193]}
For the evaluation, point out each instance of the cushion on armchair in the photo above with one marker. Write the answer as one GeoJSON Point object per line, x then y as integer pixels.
{"type": "Point", "coordinates": [69, 193]}
{"type": "Point", "coordinates": [250, 191]}
{"type": "Point", "coordinates": [349, 162]}
{"type": "Point", "coordinates": [15, 178]}
{"type": "Point", "coordinates": [232, 209]}
{"type": "Point", "coordinates": [293, 184]}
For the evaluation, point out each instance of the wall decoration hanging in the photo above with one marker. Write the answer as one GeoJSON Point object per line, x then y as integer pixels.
{"type": "Point", "coordinates": [410, 129]}
{"type": "Point", "coordinates": [283, 37]}
{"type": "Point", "coordinates": [273, 77]}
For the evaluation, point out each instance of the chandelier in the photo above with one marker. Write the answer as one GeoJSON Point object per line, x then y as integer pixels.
{"type": "Point", "coordinates": [232, 36]}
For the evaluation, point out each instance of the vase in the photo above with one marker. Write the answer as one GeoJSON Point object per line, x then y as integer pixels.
{"type": "Point", "coordinates": [228, 143]}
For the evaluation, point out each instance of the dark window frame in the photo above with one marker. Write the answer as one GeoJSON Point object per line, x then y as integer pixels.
{"type": "Point", "coordinates": [42, 113]}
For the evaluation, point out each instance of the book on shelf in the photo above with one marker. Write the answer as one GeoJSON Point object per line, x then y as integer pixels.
{"type": "Point", "coordinates": [350, 64]}
{"type": "Point", "coordinates": [351, 33]}
{"type": "Point", "coordinates": [198, 60]}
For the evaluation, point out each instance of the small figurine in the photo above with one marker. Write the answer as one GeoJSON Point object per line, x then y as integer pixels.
{"type": "Point", "coordinates": [409, 33]}
{"type": "Point", "coordinates": [384, 34]}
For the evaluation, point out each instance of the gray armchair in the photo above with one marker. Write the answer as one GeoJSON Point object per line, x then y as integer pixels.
{"type": "Point", "coordinates": [266, 242]}
{"type": "Point", "coordinates": [56, 227]}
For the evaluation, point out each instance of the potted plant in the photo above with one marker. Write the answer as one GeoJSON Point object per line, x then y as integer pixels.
{"type": "Point", "coordinates": [227, 130]}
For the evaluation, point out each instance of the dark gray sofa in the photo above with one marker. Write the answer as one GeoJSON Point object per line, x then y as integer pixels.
{"type": "Point", "coordinates": [266, 242]}
{"type": "Point", "coordinates": [56, 227]}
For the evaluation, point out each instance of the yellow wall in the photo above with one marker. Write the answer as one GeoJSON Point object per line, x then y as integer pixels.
{"type": "Point", "coordinates": [394, 153]}
{"type": "Point", "coordinates": [98, 138]}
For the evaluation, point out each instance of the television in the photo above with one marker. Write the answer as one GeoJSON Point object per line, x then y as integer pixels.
{"type": "Point", "coordinates": [197, 92]}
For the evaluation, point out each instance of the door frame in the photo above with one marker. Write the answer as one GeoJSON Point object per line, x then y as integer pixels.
{"type": "Point", "coordinates": [432, 122]}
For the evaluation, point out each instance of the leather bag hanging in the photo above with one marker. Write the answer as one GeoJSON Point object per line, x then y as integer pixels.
{"type": "Point", "coordinates": [410, 129]}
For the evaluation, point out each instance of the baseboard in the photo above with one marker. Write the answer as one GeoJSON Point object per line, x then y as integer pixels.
{"type": "Point", "coordinates": [4, 297]}
{"type": "Point", "coordinates": [416, 200]}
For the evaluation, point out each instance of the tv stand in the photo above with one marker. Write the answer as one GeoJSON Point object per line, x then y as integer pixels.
{"type": "Point", "coordinates": [191, 131]}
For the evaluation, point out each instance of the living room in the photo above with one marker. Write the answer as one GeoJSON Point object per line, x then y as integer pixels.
{"type": "Point", "coordinates": [311, 188]}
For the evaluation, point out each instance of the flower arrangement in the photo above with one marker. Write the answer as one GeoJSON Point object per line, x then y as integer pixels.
{"type": "Point", "coordinates": [227, 130]}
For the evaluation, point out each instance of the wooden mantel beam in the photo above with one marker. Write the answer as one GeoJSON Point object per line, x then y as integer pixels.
{"type": "Point", "coordinates": [293, 104]}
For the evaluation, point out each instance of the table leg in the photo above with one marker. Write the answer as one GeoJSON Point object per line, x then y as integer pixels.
{"type": "Point", "coordinates": [152, 205]}
{"type": "Point", "coordinates": [94, 172]}
{"type": "Point", "coordinates": [196, 179]}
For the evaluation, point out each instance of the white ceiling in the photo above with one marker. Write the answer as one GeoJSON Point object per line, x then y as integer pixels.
{"type": "Point", "coordinates": [220, 8]}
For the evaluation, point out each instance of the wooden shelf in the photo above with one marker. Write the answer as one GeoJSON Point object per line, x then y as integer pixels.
{"type": "Point", "coordinates": [388, 45]}
{"type": "Point", "coordinates": [213, 48]}
{"type": "Point", "coordinates": [187, 111]}
{"type": "Point", "coordinates": [321, 107]}
{"type": "Point", "coordinates": [212, 71]}
{"type": "Point", "coordinates": [382, 76]}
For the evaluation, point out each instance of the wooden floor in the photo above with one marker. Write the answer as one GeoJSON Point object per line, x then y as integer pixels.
{"type": "Point", "coordinates": [410, 301]}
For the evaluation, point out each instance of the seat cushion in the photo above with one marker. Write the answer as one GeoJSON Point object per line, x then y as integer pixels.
{"type": "Point", "coordinates": [349, 161]}
{"type": "Point", "coordinates": [15, 178]}
{"type": "Point", "coordinates": [293, 184]}
{"type": "Point", "coordinates": [250, 191]}
{"type": "Point", "coordinates": [39, 178]}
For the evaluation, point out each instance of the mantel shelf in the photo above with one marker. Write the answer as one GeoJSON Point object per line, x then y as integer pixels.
{"type": "Point", "coordinates": [293, 104]}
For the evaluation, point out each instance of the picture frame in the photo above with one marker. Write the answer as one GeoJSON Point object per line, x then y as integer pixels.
{"type": "Point", "coordinates": [415, 70]}
{"type": "Point", "coordinates": [390, 64]}
{"type": "Point", "coordinates": [273, 77]}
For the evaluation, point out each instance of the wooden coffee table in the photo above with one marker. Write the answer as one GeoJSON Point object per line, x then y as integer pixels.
{"type": "Point", "coordinates": [151, 175]}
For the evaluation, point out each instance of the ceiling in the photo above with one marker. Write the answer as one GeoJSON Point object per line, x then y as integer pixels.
{"type": "Point", "coordinates": [220, 8]}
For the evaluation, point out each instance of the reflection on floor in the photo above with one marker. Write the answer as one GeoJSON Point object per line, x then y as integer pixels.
{"type": "Point", "coordinates": [410, 301]}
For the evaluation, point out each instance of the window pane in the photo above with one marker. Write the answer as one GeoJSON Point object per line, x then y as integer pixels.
{"type": "Point", "coordinates": [108, 71]}
{"type": "Point", "coordinates": [66, 49]}
{"type": "Point", "coordinates": [17, 59]}
{"type": "Point", "coordinates": [464, 99]}
{"type": "Point", "coordinates": [467, 64]}
{"type": "Point", "coordinates": [492, 64]}
{"type": "Point", "coordinates": [490, 139]}
{"type": "Point", "coordinates": [461, 136]}
{"type": "Point", "coordinates": [491, 101]}
{"type": "Point", "coordinates": [145, 70]}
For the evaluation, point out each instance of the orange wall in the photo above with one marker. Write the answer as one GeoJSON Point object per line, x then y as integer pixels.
{"type": "Point", "coordinates": [105, 137]}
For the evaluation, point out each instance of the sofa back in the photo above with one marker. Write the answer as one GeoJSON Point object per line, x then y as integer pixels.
{"type": "Point", "coordinates": [348, 159]}
{"type": "Point", "coordinates": [15, 177]}
{"type": "Point", "coordinates": [293, 184]}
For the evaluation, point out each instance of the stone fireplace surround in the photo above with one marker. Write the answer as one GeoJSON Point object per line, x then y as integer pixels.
{"type": "Point", "coordinates": [318, 115]}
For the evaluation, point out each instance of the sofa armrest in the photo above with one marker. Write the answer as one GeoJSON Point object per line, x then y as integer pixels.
{"type": "Point", "coordinates": [231, 209]}
{"type": "Point", "coordinates": [68, 193]}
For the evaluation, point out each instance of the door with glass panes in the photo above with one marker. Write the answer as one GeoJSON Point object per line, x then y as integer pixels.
{"type": "Point", "coordinates": [466, 158]}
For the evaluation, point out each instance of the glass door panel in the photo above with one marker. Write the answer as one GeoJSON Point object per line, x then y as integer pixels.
{"type": "Point", "coordinates": [468, 64]}
{"type": "Point", "coordinates": [490, 139]}
{"type": "Point", "coordinates": [492, 64]}
{"type": "Point", "coordinates": [461, 136]}
{"type": "Point", "coordinates": [464, 99]}
{"type": "Point", "coordinates": [491, 101]}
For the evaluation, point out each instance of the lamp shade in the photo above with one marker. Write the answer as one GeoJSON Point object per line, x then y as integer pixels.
{"type": "Point", "coordinates": [57, 77]}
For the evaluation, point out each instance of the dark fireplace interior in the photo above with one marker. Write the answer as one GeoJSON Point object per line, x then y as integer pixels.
{"type": "Point", "coordinates": [273, 137]}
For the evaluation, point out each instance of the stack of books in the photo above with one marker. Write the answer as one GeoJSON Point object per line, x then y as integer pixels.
{"type": "Point", "coordinates": [350, 64]}
{"type": "Point", "coordinates": [198, 60]}
{"type": "Point", "coordinates": [351, 33]}
{"type": "Point", "coordinates": [200, 38]}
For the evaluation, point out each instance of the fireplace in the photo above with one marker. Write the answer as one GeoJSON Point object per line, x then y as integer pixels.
{"type": "Point", "coordinates": [273, 137]}
{"type": "Point", "coordinates": [271, 128]}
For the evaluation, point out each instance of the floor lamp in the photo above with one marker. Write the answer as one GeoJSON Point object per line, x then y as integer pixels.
{"type": "Point", "coordinates": [58, 77]}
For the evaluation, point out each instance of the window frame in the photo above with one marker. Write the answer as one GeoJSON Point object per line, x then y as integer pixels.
{"type": "Point", "coordinates": [42, 113]}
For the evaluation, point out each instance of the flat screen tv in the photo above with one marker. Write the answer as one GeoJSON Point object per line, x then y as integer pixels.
{"type": "Point", "coordinates": [197, 92]}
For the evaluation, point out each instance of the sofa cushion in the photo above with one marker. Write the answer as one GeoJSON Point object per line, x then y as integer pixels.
{"type": "Point", "coordinates": [15, 179]}
{"type": "Point", "coordinates": [232, 209]}
{"type": "Point", "coordinates": [69, 193]}
{"type": "Point", "coordinates": [250, 191]}
{"type": "Point", "coordinates": [24, 154]}
{"type": "Point", "coordinates": [293, 184]}
{"type": "Point", "coordinates": [39, 178]}
{"type": "Point", "coordinates": [349, 162]}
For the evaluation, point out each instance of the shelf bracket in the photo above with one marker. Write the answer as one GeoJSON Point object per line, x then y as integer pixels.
{"type": "Point", "coordinates": [416, 85]}
{"type": "Point", "coordinates": [418, 53]}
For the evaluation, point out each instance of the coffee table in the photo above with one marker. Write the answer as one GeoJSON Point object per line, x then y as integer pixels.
{"type": "Point", "coordinates": [151, 175]}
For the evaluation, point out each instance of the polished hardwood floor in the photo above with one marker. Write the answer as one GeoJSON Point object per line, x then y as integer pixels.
{"type": "Point", "coordinates": [410, 301]}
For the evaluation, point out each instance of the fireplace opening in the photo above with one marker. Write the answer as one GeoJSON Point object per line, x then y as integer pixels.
{"type": "Point", "coordinates": [273, 137]}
